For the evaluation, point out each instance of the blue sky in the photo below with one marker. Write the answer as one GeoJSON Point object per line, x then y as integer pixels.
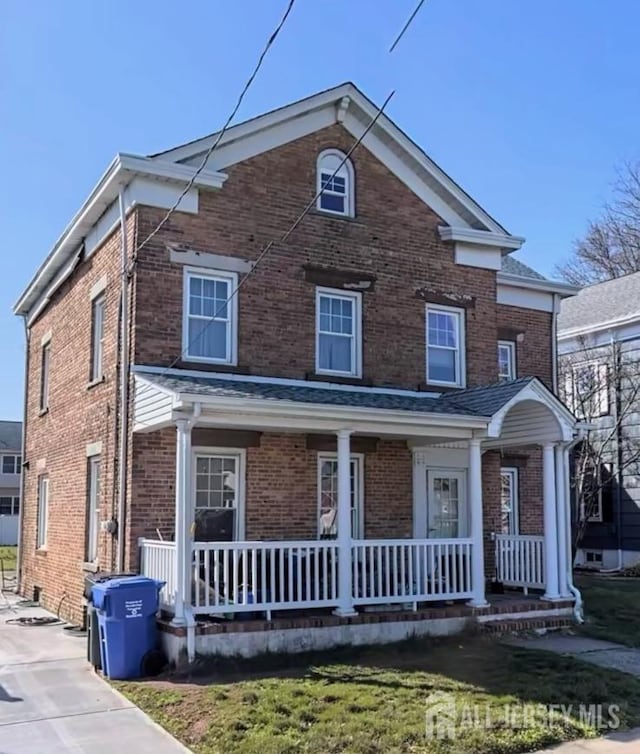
{"type": "Point", "coordinates": [528, 104]}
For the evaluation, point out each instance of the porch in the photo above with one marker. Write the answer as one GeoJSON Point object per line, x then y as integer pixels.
{"type": "Point", "coordinates": [444, 485]}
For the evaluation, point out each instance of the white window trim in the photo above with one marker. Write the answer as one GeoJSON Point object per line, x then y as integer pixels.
{"type": "Point", "coordinates": [460, 351]}
{"type": "Point", "coordinates": [16, 465]}
{"type": "Point", "coordinates": [232, 327]}
{"type": "Point", "coordinates": [350, 184]}
{"type": "Point", "coordinates": [356, 347]}
{"type": "Point", "coordinates": [514, 473]}
{"type": "Point", "coordinates": [240, 454]}
{"type": "Point", "coordinates": [511, 347]}
{"type": "Point", "coordinates": [15, 505]}
{"type": "Point", "coordinates": [43, 513]}
{"type": "Point", "coordinates": [329, 456]}
{"type": "Point", "coordinates": [93, 508]}
{"type": "Point", "coordinates": [98, 304]}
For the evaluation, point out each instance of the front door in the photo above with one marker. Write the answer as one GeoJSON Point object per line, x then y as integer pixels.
{"type": "Point", "coordinates": [447, 515]}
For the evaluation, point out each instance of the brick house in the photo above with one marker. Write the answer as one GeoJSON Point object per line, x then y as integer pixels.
{"type": "Point", "coordinates": [361, 420]}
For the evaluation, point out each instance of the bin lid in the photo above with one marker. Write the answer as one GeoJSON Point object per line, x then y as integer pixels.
{"type": "Point", "coordinates": [131, 582]}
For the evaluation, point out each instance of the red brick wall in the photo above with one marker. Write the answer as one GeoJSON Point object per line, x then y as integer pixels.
{"type": "Point", "coordinates": [394, 236]}
{"type": "Point", "coordinates": [533, 352]}
{"type": "Point", "coordinates": [56, 441]}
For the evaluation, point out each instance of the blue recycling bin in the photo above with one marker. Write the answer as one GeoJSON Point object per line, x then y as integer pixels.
{"type": "Point", "coordinates": [127, 610]}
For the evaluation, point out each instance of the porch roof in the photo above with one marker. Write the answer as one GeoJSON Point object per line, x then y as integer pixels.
{"type": "Point", "coordinates": [160, 393]}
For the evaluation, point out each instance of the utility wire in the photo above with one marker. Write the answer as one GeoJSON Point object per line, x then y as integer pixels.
{"type": "Point", "coordinates": [263, 253]}
{"type": "Point", "coordinates": [407, 25]}
{"type": "Point", "coordinates": [217, 140]}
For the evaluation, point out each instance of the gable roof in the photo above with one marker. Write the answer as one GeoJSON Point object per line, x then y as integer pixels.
{"type": "Point", "coordinates": [514, 266]}
{"type": "Point", "coordinates": [10, 435]}
{"type": "Point", "coordinates": [610, 303]}
{"type": "Point", "coordinates": [465, 219]}
{"type": "Point", "coordinates": [348, 105]}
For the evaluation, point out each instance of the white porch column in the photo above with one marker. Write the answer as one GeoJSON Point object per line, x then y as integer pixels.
{"type": "Point", "coordinates": [183, 535]}
{"type": "Point", "coordinates": [561, 520]}
{"type": "Point", "coordinates": [477, 526]}
{"type": "Point", "coordinates": [550, 522]}
{"type": "Point", "coordinates": [345, 586]}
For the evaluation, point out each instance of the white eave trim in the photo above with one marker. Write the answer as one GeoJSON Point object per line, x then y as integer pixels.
{"type": "Point", "coordinates": [533, 284]}
{"type": "Point", "coordinates": [384, 128]}
{"type": "Point", "coordinates": [481, 237]}
{"type": "Point", "coordinates": [120, 172]}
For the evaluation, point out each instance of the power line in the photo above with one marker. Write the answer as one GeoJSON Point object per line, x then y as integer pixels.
{"type": "Point", "coordinates": [217, 140]}
{"type": "Point", "coordinates": [263, 253]}
{"type": "Point", "coordinates": [407, 25]}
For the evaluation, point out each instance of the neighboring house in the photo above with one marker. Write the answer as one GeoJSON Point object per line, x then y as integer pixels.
{"type": "Point", "coordinates": [339, 427]}
{"type": "Point", "coordinates": [10, 470]}
{"type": "Point", "coordinates": [599, 355]}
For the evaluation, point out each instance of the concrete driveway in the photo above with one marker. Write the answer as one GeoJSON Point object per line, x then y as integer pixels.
{"type": "Point", "coordinates": [52, 701]}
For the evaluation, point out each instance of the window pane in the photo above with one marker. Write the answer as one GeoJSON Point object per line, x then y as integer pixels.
{"type": "Point", "coordinates": [442, 329]}
{"type": "Point", "coordinates": [8, 464]}
{"type": "Point", "coordinates": [334, 353]}
{"type": "Point", "coordinates": [207, 339]}
{"type": "Point", "coordinates": [216, 482]}
{"type": "Point", "coordinates": [442, 365]}
{"type": "Point", "coordinates": [6, 506]}
{"type": "Point", "coordinates": [333, 202]}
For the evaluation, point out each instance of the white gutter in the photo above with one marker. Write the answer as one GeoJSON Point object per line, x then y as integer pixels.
{"type": "Point", "coordinates": [124, 383]}
{"type": "Point", "coordinates": [533, 284]}
{"type": "Point", "coordinates": [120, 172]}
{"type": "Point", "coordinates": [578, 607]}
{"type": "Point", "coordinates": [27, 337]}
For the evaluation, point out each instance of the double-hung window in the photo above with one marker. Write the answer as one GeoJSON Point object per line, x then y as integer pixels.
{"type": "Point", "coordinates": [509, 503]}
{"type": "Point", "coordinates": [445, 346]}
{"type": "Point", "coordinates": [219, 493]}
{"type": "Point", "coordinates": [210, 316]}
{"type": "Point", "coordinates": [11, 464]}
{"type": "Point", "coordinates": [335, 183]}
{"type": "Point", "coordinates": [328, 495]}
{"type": "Point", "coordinates": [506, 360]}
{"type": "Point", "coordinates": [97, 337]}
{"type": "Point", "coordinates": [93, 508]}
{"type": "Point", "coordinates": [589, 390]}
{"type": "Point", "coordinates": [338, 332]}
{"type": "Point", "coordinates": [43, 512]}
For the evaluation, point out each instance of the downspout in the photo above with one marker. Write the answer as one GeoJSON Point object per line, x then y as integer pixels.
{"type": "Point", "coordinates": [554, 342]}
{"type": "Point", "coordinates": [124, 383]}
{"type": "Point", "coordinates": [578, 606]}
{"type": "Point", "coordinates": [27, 338]}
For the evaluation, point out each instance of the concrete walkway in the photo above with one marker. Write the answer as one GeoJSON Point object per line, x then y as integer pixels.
{"type": "Point", "coordinates": [52, 701]}
{"type": "Point", "coordinates": [606, 654]}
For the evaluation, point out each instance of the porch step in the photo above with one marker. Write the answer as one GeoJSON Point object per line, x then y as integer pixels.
{"type": "Point", "coordinates": [516, 625]}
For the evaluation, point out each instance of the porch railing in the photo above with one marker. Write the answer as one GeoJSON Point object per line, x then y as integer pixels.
{"type": "Point", "coordinates": [391, 571]}
{"type": "Point", "coordinates": [245, 577]}
{"type": "Point", "coordinates": [520, 560]}
{"type": "Point", "coordinates": [157, 560]}
{"type": "Point", "coordinates": [235, 577]}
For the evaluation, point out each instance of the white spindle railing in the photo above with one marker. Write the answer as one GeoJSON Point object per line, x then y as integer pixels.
{"type": "Point", "coordinates": [410, 570]}
{"type": "Point", "coordinates": [157, 560]}
{"type": "Point", "coordinates": [520, 560]}
{"type": "Point", "coordinates": [234, 577]}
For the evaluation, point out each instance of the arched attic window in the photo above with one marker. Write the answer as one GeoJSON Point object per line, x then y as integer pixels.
{"type": "Point", "coordinates": [337, 195]}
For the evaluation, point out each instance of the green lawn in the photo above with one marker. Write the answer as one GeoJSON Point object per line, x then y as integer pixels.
{"type": "Point", "coordinates": [8, 557]}
{"type": "Point", "coordinates": [374, 700]}
{"type": "Point", "coordinates": [612, 608]}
